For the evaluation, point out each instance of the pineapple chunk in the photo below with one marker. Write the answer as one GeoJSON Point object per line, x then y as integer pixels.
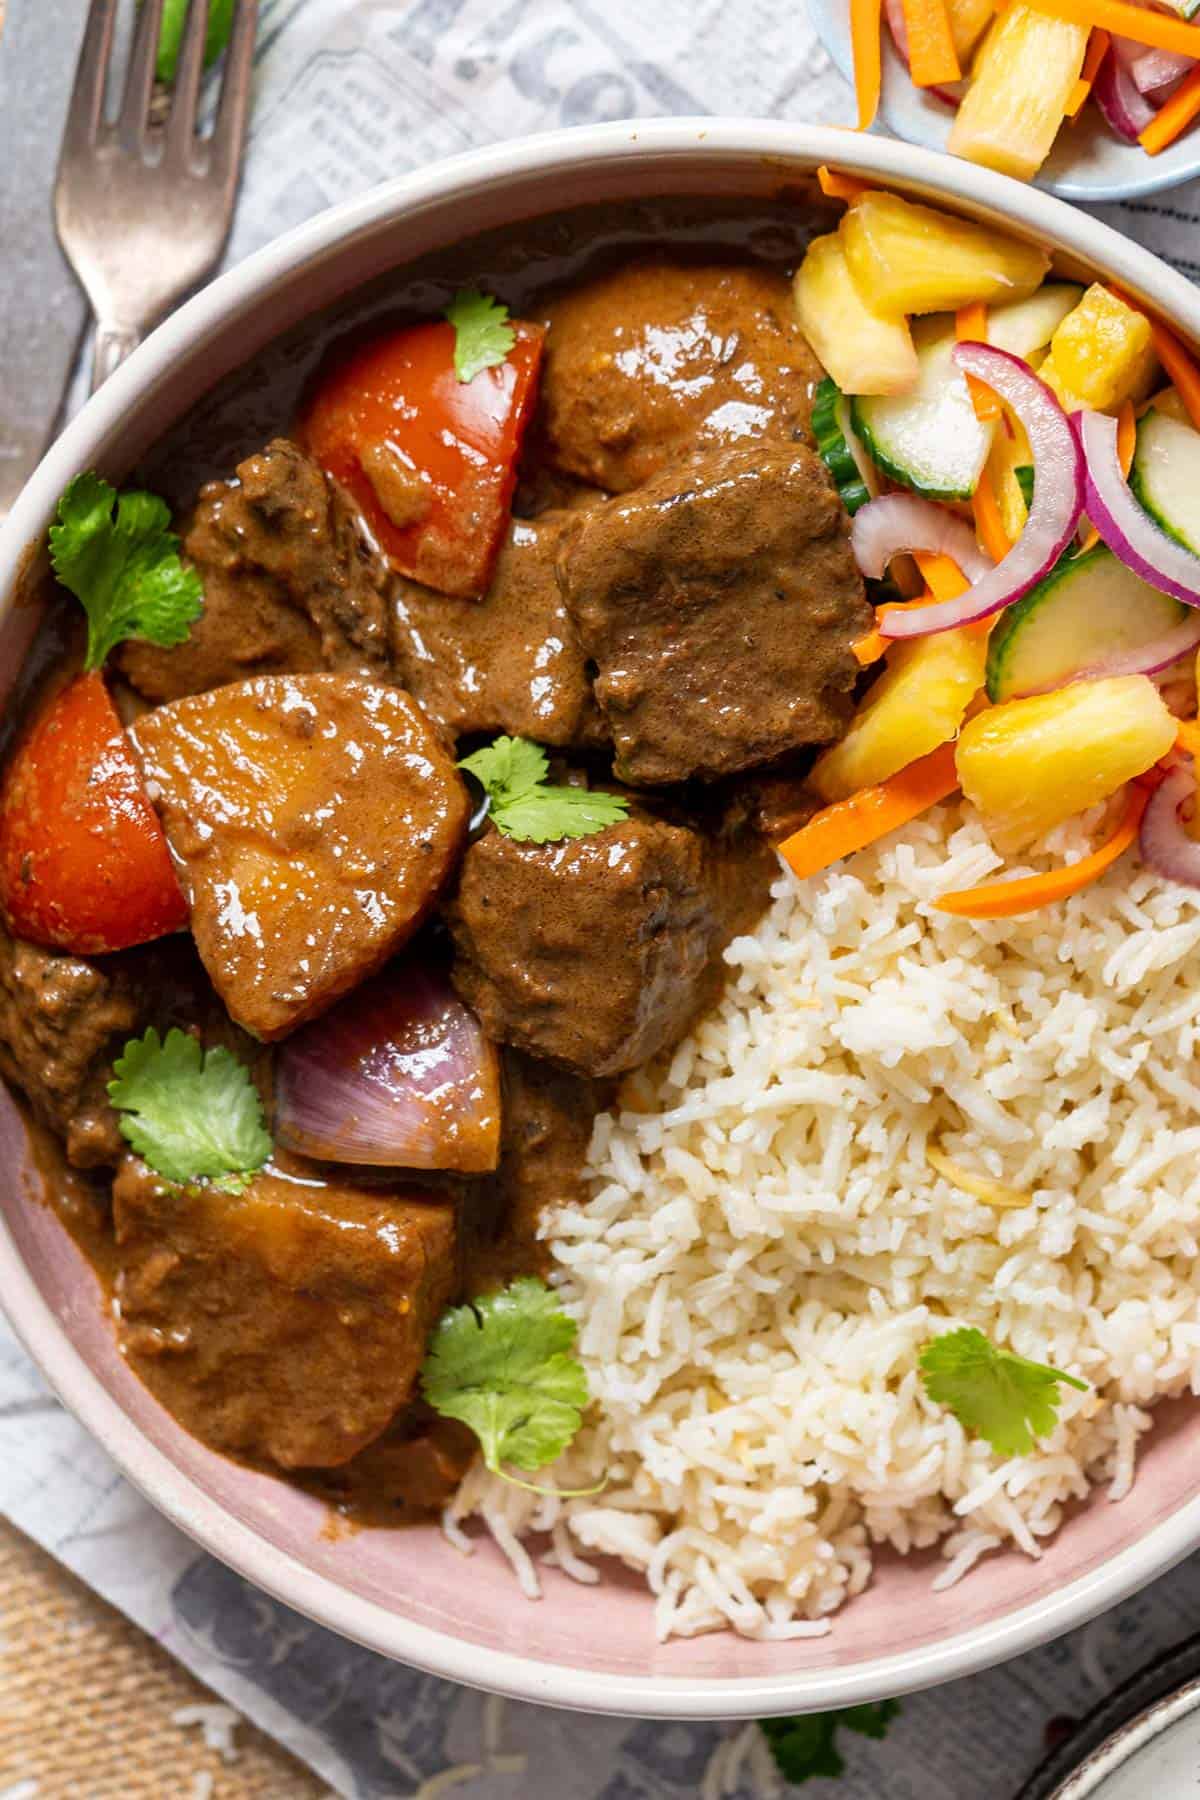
{"type": "Point", "coordinates": [1101, 355]}
{"type": "Point", "coordinates": [1029, 764]}
{"type": "Point", "coordinates": [865, 354]}
{"type": "Point", "coordinates": [917, 703]}
{"type": "Point", "coordinates": [913, 259]}
{"type": "Point", "coordinates": [1167, 401]}
{"type": "Point", "coordinates": [1023, 78]}
{"type": "Point", "coordinates": [968, 21]}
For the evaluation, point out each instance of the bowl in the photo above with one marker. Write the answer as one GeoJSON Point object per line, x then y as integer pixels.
{"type": "Point", "coordinates": [1142, 1739]}
{"type": "Point", "coordinates": [1087, 162]}
{"type": "Point", "coordinates": [409, 1593]}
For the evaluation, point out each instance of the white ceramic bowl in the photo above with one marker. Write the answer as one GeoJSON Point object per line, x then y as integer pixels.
{"type": "Point", "coordinates": [408, 1593]}
{"type": "Point", "coordinates": [1087, 162]}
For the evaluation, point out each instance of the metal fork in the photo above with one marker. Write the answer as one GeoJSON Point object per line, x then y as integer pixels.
{"type": "Point", "coordinates": [144, 205]}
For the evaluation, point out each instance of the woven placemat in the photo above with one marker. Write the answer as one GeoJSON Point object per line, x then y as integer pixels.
{"type": "Point", "coordinates": [87, 1703]}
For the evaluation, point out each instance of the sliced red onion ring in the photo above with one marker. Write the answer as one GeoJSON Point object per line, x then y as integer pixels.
{"type": "Point", "coordinates": [1125, 112]}
{"type": "Point", "coordinates": [1167, 846]}
{"type": "Point", "coordinates": [1126, 527]}
{"type": "Point", "coordinates": [895, 524]}
{"type": "Point", "coordinates": [1053, 516]}
{"type": "Point", "coordinates": [398, 1075]}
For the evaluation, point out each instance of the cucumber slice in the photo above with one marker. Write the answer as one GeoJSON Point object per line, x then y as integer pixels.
{"type": "Point", "coordinates": [1024, 327]}
{"type": "Point", "coordinates": [1165, 476]}
{"type": "Point", "coordinates": [839, 449]}
{"type": "Point", "coordinates": [1085, 606]}
{"type": "Point", "coordinates": [930, 438]}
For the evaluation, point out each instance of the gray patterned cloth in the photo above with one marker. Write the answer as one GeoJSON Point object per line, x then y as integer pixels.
{"type": "Point", "coordinates": [348, 93]}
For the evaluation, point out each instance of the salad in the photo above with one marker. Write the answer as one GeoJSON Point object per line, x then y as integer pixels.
{"type": "Point", "coordinates": [1020, 457]}
{"type": "Point", "coordinates": [1016, 74]}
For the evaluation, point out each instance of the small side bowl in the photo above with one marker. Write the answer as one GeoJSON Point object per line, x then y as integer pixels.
{"type": "Point", "coordinates": [408, 1593]}
{"type": "Point", "coordinates": [1086, 164]}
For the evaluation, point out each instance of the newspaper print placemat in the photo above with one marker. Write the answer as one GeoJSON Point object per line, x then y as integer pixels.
{"type": "Point", "coordinates": [350, 92]}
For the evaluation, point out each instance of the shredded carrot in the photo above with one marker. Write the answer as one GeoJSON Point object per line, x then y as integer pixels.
{"type": "Point", "coordinates": [1179, 363]}
{"type": "Point", "coordinates": [1004, 899]}
{"type": "Point", "coordinates": [1096, 51]}
{"type": "Point", "coordinates": [1162, 31]}
{"type": "Point", "coordinates": [970, 326]}
{"type": "Point", "coordinates": [849, 825]}
{"type": "Point", "coordinates": [1187, 737]}
{"type": "Point", "coordinates": [868, 65]}
{"type": "Point", "coordinates": [870, 648]}
{"type": "Point", "coordinates": [1173, 116]}
{"type": "Point", "coordinates": [932, 57]}
{"type": "Point", "coordinates": [839, 186]}
{"type": "Point", "coordinates": [1126, 436]}
{"type": "Point", "coordinates": [988, 522]}
{"type": "Point", "coordinates": [944, 580]}
{"type": "Point", "coordinates": [941, 574]}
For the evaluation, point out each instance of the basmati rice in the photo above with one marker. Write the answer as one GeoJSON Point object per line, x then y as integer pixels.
{"type": "Point", "coordinates": [766, 1247]}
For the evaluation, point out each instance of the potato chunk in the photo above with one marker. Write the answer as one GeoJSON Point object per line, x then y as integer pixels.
{"type": "Point", "coordinates": [312, 820]}
{"type": "Point", "coordinates": [287, 1323]}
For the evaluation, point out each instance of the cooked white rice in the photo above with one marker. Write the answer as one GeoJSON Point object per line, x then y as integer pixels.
{"type": "Point", "coordinates": [767, 1248]}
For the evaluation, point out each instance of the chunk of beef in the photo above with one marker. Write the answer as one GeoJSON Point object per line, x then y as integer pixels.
{"type": "Point", "coordinates": [509, 662]}
{"type": "Point", "coordinates": [548, 1118]}
{"type": "Point", "coordinates": [290, 583]}
{"type": "Point", "coordinates": [599, 953]}
{"type": "Point", "coordinates": [312, 820]}
{"type": "Point", "coordinates": [287, 1323]}
{"type": "Point", "coordinates": [657, 358]}
{"type": "Point", "coordinates": [720, 604]}
{"type": "Point", "coordinates": [64, 1020]}
{"type": "Point", "coordinates": [409, 1472]}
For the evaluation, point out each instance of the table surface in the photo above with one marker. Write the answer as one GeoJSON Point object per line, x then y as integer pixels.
{"type": "Point", "coordinates": [89, 1702]}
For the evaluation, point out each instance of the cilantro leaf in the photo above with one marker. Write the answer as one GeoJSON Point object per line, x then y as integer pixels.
{"type": "Point", "coordinates": [193, 1114]}
{"type": "Point", "coordinates": [483, 336]}
{"type": "Point", "coordinates": [805, 1747]}
{"type": "Point", "coordinates": [994, 1393]}
{"type": "Point", "coordinates": [124, 568]}
{"type": "Point", "coordinates": [524, 805]}
{"type": "Point", "coordinates": [505, 1366]}
{"type": "Point", "coordinates": [170, 38]}
{"type": "Point", "coordinates": [545, 815]}
{"type": "Point", "coordinates": [508, 767]}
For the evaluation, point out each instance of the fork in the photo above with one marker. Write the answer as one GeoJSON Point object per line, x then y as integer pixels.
{"type": "Point", "coordinates": [144, 204]}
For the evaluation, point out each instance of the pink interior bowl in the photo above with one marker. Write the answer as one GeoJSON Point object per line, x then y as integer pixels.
{"type": "Point", "coordinates": [408, 1593]}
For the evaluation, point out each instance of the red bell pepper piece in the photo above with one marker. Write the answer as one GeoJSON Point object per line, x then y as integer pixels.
{"type": "Point", "coordinates": [84, 865]}
{"type": "Point", "coordinates": [430, 460]}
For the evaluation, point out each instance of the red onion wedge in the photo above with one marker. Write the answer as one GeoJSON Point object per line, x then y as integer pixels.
{"type": "Point", "coordinates": [1166, 845]}
{"type": "Point", "coordinates": [1156, 71]}
{"type": "Point", "coordinates": [1053, 516]}
{"type": "Point", "coordinates": [1125, 112]}
{"type": "Point", "coordinates": [895, 524]}
{"type": "Point", "coordinates": [898, 26]}
{"type": "Point", "coordinates": [1125, 526]}
{"type": "Point", "coordinates": [398, 1075]}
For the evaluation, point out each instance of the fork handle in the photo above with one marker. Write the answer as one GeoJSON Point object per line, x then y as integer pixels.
{"type": "Point", "coordinates": [113, 344]}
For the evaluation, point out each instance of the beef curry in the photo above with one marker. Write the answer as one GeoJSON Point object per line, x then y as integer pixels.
{"type": "Point", "coordinates": [610, 544]}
